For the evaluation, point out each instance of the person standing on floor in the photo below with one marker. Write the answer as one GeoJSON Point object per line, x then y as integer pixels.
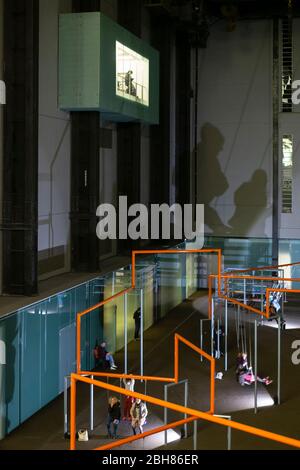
{"type": "Point", "coordinates": [137, 321]}
{"type": "Point", "coordinates": [138, 414]}
{"type": "Point", "coordinates": [128, 385]}
{"type": "Point", "coordinates": [114, 417]}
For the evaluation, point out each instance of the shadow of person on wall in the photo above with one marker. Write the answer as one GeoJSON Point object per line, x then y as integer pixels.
{"type": "Point", "coordinates": [211, 182]}
{"type": "Point", "coordinates": [251, 202]}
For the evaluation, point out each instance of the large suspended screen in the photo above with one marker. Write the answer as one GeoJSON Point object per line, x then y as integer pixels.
{"type": "Point", "coordinates": [132, 75]}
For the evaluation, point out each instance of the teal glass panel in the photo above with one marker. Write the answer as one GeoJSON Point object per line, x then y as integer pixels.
{"type": "Point", "coordinates": [170, 281]}
{"type": "Point", "coordinates": [242, 253]}
{"type": "Point", "coordinates": [30, 374]}
{"type": "Point", "coordinates": [64, 306]}
{"type": "Point", "coordinates": [289, 252]}
{"type": "Point", "coordinates": [81, 304]}
{"type": "Point", "coordinates": [10, 334]}
{"type": "Point", "coordinates": [191, 274]}
{"type": "Point", "coordinates": [50, 349]}
{"type": "Point", "coordinates": [96, 287]}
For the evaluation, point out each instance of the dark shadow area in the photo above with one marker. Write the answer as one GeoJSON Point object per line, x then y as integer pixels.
{"type": "Point", "coordinates": [251, 201]}
{"type": "Point", "coordinates": [211, 182]}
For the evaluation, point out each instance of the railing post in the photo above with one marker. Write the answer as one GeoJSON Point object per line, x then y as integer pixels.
{"type": "Point", "coordinates": [186, 385]}
{"type": "Point", "coordinates": [279, 362]}
{"type": "Point", "coordinates": [142, 332]}
{"type": "Point", "coordinates": [226, 337]}
{"type": "Point", "coordinates": [255, 366]}
{"type": "Point", "coordinates": [201, 338]}
{"type": "Point", "coordinates": [113, 281]}
{"type": "Point", "coordinates": [166, 414]}
{"type": "Point", "coordinates": [125, 335]}
{"type": "Point", "coordinates": [229, 438]}
{"type": "Point", "coordinates": [212, 326]}
{"type": "Point", "coordinates": [92, 405]}
{"type": "Point", "coordinates": [66, 405]}
{"type": "Point", "coordinates": [218, 354]}
{"type": "Point", "coordinates": [195, 434]}
{"type": "Point", "coordinates": [73, 415]}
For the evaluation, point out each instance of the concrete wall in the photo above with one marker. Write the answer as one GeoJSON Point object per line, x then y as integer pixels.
{"type": "Point", "coordinates": [2, 366]}
{"type": "Point", "coordinates": [235, 130]}
{"type": "Point", "coordinates": [54, 149]}
{"type": "Point", "coordinates": [289, 123]}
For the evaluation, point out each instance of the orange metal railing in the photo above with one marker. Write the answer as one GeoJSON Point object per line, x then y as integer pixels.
{"type": "Point", "coordinates": [194, 414]}
{"type": "Point", "coordinates": [133, 283]}
{"type": "Point", "coordinates": [172, 406]}
{"type": "Point", "coordinates": [265, 313]}
{"type": "Point", "coordinates": [262, 268]}
{"type": "Point", "coordinates": [128, 440]}
{"type": "Point", "coordinates": [177, 339]}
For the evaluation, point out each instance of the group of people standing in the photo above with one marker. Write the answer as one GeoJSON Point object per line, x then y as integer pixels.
{"type": "Point", "coordinates": [135, 411]}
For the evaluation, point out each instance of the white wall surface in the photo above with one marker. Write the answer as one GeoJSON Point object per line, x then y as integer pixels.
{"type": "Point", "coordinates": [54, 138]}
{"type": "Point", "coordinates": [1, 127]}
{"type": "Point", "coordinates": [235, 130]}
{"type": "Point", "coordinates": [289, 123]}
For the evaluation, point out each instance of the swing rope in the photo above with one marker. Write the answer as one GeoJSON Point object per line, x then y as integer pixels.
{"type": "Point", "coordinates": [250, 345]}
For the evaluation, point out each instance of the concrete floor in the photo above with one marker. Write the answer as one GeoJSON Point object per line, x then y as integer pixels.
{"type": "Point", "coordinates": [45, 429]}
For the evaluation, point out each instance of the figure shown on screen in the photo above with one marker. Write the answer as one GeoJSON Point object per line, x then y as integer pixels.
{"type": "Point", "coordinates": [130, 88]}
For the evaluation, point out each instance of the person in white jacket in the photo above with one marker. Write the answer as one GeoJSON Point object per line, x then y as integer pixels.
{"type": "Point", "coordinates": [128, 385]}
{"type": "Point", "coordinates": [138, 414]}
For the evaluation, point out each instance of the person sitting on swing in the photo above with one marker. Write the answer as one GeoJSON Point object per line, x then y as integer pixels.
{"type": "Point", "coordinates": [245, 374]}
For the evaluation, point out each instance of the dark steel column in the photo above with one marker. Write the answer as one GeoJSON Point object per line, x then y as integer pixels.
{"type": "Point", "coordinates": [20, 165]}
{"type": "Point", "coordinates": [80, 6]}
{"type": "Point", "coordinates": [129, 134]}
{"type": "Point", "coordinates": [275, 224]}
{"type": "Point", "coordinates": [84, 190]}
{"type": "Point", "coordinates": [162, 31]}
{"type": "Point", "coordinates": [85, 178]}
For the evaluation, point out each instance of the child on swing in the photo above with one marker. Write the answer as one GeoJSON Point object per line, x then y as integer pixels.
{"type": "Point", "coordinates": [245, 374]}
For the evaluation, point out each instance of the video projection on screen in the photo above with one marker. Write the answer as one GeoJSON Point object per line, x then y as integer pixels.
{"type": "Point", "coordinates": [132, 75]}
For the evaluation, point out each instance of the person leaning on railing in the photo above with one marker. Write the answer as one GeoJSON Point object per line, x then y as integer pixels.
{"type": "Point", "coordinates": [128, 385]}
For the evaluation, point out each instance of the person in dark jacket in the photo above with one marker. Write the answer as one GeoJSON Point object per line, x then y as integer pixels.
{"type": "Point", "coordinates": [114, 417]}
{"type": "Point", "coordinates": [104, 355]}
{"type": "Point", "coordinates": [137, 321]}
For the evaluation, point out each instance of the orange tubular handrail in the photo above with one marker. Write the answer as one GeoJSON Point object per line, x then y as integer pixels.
{"type": "Point", "coordinates": [172, 406]}
{"type": "Point", "coordinates": [129, 376]}
{"type": "Point", "coordinates": [127, 440]}
{"type": "Point", "coordinates": [266, 313]}
{"type": "Point", "coordinates": [177, 339]}
{"type": "Point", "coordinates": [262, 268]}
{"type": "Point", "coordinates": [85, 312]}
{"type": "Point", "coordinates": [195, 414]}
{"type": "Point", "coordinates": [133, 284]}
{"type": "Point", "coordinates": [212, 367]}
{"type": "Point", "coordinates": [195, 251]}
